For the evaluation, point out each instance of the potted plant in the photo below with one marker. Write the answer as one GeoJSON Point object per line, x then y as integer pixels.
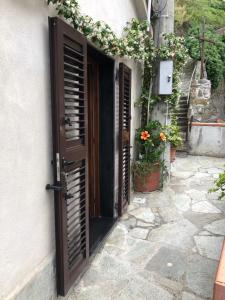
{"type": "Point", "coordinates": [147, 169]}
{"type": "Point", "coordinates": [174, 138]}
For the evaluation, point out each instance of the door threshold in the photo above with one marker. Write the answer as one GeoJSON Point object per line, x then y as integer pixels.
{"type": "Point", "coordinates": [100, 228]}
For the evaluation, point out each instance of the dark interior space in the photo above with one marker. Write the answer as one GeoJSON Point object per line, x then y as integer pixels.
{"type": "Point", "coordinates": [101, 145]}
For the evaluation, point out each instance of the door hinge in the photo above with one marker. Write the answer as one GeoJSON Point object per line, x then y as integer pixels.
{"type": "Point", "coordinates": [57, 167]}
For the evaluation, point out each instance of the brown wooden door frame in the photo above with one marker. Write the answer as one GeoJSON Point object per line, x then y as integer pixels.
{"type": "Point", "coordinates": [124, 137]}
{"type": "Point", "coordinates": [93, 118]}
{"type": "Point", "coordinates": [72, 245]}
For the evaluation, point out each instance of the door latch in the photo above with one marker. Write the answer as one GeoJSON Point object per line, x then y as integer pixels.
{"type": "Point", "coordinates": [56, 188]}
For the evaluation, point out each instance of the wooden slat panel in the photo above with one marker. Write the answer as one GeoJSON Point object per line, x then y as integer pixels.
{"type": "Point", "coordinates": [70, 130]}
{"type": "Point", "coordinates": [124, 136]}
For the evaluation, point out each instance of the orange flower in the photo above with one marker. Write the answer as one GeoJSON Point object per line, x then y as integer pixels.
{"type": "Point", "coordinates": [145, 135]}
{"type": "Point", "coordinates": [162, 137]}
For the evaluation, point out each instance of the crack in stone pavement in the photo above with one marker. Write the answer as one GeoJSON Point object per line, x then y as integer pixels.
{"type": "Point", "coordinates": [166, 246]}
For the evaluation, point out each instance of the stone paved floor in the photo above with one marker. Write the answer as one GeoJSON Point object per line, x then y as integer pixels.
{"type": "Point", "coordinates": [166, 247]}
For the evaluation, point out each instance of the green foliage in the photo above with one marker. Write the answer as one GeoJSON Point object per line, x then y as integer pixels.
{"type": "Point", "coordinates": [190, 12]}
{"type": "Point", "coordinates": [219, 186]}
{"type": "Point", "coordinates": [173, 134]}
{"type": "Point", "coordinates": [136, 42]}
{"type": "Point", "coordinates": [214, 53]}
{"type": "Point", "coordinates": [151, 142]}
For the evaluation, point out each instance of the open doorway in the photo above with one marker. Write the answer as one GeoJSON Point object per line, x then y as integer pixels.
{"type": "Point", "coordinates": [101, 145]}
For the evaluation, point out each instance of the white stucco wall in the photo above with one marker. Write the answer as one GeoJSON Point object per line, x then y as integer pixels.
{"type": "Point", "coordinates": [207, 140]}
{"type": "Point", "coordinates": [26, 209]}
{"type": "Point", "coordinates": [115, 13]}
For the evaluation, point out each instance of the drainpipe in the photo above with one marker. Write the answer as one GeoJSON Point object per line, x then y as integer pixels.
{"type": "Point", "coordinates": [149, 10]}
{"type": "Point", "coordinates": [150, 86]}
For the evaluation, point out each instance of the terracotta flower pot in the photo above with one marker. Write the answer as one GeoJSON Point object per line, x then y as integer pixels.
{"type": "Point", "coordinates": [148, 183]}
{"type": "Point", "coordinates": [172, 153]}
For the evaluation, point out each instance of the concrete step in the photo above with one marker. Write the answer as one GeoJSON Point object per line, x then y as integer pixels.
{"type": "Point", "coordinates": [181, 113]}
{"type": "Point", "coordinates": [183, 106]}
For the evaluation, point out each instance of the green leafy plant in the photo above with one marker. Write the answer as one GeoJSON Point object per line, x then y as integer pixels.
{"type": "Point", "coordinates": [173, 134]}
{"type": "Point", "coordinates": [214, 52]}
{"type": "Point", "coordinates": [151, 141]}
{"type": "Point", "coordinates": [219, 186]}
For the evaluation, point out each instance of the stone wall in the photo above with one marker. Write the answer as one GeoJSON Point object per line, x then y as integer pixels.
{"type": "Point", "coordinates": [200, 100]}
{"type": "Point", "coordinates": [217, 102]}
{"type": "Point", "coordinates": [206, 105]}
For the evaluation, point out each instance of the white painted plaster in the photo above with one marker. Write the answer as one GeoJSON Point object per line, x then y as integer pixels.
{"type": "Point", "coordinates": [207, 140]}
{"type": "Point", "coordinates": [26, 209]}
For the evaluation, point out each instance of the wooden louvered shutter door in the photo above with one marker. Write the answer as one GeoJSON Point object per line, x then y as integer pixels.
{"type": "Point", "coordinates": [69, 111]}
{"type": "Point", "coordinates": [124, 136]}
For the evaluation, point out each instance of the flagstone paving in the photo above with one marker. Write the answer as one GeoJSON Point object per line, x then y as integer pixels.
{"type": "Point", "coordinates": [167, 245]}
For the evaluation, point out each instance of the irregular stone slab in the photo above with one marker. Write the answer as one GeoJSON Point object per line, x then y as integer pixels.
{"type": "Point", "coordinates": [129, 223]}
{"type": "Point", "coordinates": [139, 200]}
{"type": "Point", "coordinates": [201, 186]}
{"type": "Point", "coordinates": [143, 224]}
{"type": "Point", "coordinates": [200, 219]}
{"type": "Point", "coordinates": [157, 279]}
{"type": "Point", "coordinates": [118, 236]}
{"type": "Point", "coordinates": [220, 204]}
{"type": "Point", "coordinates": [93, 292]}
{"type": "Point", "coordinates": [200, 275]}
{"type": "Point", "coordinates": [214, 170]}
{"type": "Point", "coordinates": [140, 253]}
{"type": "Point", "coordinates": [205, 207]}
{"type": "Point", "coordinates": [169, 263]}
{"type": "Point", "coordinates": [182, 175]}
{"type": "Point", "coordinates": [187, 296]}
{"type": "Point", "coordinates": [182, 202]}
{"type": "Point", "coordinates": [217, 227]}
{"type": "Point", "coordinates": [139, 233]}
{"type": "Point", "coordinates": [177, 234]}
{"type": "Point", "coordinates": [143, 213]}
{"type": "Point", "coordinates": [132, 206]}
{"type": "Point", "coordinates": [139, 288]}
{"type": "Point", "coordinates": [196, 196]}
{"type": "Point", "coordinates": [205, 233]}
{"type": "Point", "coordinates": [201, 175]}
{"type": "Point", "coordinates": [178, 188]}
{"type": "Point", "coordinates": [209, 246]}
{"type": "Point", "coordinates": [159, 199]}
{"type": "Point", "coordinates": [124, 217]}
{"type": "Point", "coordinates": [170, 214]}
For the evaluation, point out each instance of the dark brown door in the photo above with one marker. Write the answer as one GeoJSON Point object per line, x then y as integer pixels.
{"type": "Point", "coordinates": [124, 136]}
{"type": "Point", "coordinates": [70, 152]}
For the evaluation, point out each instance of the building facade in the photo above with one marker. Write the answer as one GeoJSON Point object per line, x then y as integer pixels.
{"type": "Point", "coordinates": [27, 210]}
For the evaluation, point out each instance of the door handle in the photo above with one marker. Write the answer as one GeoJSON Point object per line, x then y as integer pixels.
{"type": "Point", "coordinates": [68, 162]}
{"type": "Point", "coordinates": [56, 188]}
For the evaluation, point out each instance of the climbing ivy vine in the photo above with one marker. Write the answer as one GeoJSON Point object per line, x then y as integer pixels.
{"type": "Point", "coordinates": [136, 43]}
